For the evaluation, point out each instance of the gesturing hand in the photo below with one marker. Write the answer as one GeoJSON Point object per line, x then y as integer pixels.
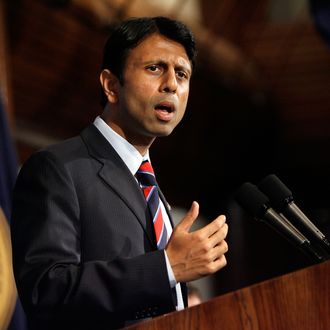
{"type": "Point", "coordinates": [199, 253]}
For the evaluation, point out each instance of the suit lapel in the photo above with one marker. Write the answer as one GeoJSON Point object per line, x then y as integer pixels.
{"type": "Point", "coordinates": [116, 174]}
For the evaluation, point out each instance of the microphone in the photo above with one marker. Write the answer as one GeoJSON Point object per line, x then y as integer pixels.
{"type": "Point", "coordinates": [257, 204]}
{"type": "Point", "coordinates": [282, 199]}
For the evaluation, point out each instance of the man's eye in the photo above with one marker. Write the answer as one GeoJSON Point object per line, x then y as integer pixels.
{"type": "Point", "coordinates": [152, 68]}
{"type": "Point", "coordinates": [181, 74]}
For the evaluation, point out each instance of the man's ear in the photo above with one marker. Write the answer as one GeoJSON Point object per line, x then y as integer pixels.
{"type": "Point", "coordinates": [110, 85]}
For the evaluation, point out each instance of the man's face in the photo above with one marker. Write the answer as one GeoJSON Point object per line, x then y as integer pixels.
{"type": "Point", "coordinates": [153, 97]}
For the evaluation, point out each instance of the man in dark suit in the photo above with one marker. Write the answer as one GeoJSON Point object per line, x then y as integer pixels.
{"type": "Point", "coordinates": [84, 246]}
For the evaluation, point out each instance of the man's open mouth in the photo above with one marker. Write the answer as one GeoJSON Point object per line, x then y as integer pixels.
{"type": "Point", "coordinates": [165, 106]}
{"type": "Point", "coordinates": [165, 111]}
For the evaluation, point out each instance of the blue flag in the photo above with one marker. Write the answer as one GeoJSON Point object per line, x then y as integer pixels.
{"type": "Point", "coordinates": [8, 173]}
{"type": "Point", "coordinates": [8, 163]}
{"type": "Point", "coordinates": [320, 10]}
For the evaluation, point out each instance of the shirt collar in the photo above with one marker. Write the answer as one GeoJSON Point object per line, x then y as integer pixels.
{"type": "Point", "coordinates": [127, 152]}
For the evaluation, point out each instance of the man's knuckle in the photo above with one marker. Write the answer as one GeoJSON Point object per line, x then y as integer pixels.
{"type": "Point", "coordinates": [197, 237]}
{"type": "Point", "coordinates": [209, 268]}
{"type": "Point", "coordinates": [207, 246]}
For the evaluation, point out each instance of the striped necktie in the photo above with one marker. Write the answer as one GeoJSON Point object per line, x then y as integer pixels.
{"type": "Point", "coordinates": [147, 180]}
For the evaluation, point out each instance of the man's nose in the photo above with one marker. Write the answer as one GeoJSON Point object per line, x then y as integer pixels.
{"type": "Point", "coordinates": [169, 83]}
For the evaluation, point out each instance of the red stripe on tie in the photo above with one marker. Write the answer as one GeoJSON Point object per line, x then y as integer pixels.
{"type": "Point", "coordinates": [146, 167]}
{"type": "Point", "coordinates": [146, 191]}
{"type": "Point", "coordinates": [146, 177]}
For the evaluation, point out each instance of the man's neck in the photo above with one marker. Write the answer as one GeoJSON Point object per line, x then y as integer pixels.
{"type": "Point", "coordinates": [142, 144]}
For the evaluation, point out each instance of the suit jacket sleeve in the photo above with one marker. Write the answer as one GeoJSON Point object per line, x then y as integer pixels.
{"type": "Point", "coordinates": [54, 280]}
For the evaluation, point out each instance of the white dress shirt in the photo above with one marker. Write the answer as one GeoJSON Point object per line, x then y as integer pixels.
{"type": "Point", "coordinates": [133, 159]}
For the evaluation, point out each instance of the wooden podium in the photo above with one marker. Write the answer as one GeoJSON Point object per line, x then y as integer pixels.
{"type": "Point", "coordinates": [299, 300]}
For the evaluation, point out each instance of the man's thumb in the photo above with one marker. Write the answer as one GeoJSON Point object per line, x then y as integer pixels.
{"type": "Point", "coordinates": [190, 217]}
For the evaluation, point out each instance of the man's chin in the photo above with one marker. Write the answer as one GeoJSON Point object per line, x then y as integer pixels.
{"type": "Point", "coordinates": [164, 132]}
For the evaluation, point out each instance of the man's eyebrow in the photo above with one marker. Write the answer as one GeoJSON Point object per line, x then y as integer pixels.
{"type": "Point", "coordinates": [153, 61]}
{"type": "Point", "coordinates": [184, 68]}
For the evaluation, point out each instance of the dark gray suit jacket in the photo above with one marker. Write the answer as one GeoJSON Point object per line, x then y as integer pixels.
{"type": "Point", "coordinates": [84, 248]}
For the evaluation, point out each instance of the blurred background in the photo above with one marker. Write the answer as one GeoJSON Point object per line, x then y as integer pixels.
{"type": "Point", "coordinates": [259, 104]}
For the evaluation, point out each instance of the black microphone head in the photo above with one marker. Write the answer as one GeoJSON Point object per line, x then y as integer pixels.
{"type": "Point", "coordinates": [250, 198]}
{"type": "Point", "coordinates": [278, 193]}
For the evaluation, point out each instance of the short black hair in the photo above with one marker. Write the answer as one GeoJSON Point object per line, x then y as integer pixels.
{"type": "Point", "coordinates": [130, 33]}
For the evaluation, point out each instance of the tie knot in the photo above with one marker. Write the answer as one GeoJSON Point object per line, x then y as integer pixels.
{"type": "Point", "coordinates": [146, 175]}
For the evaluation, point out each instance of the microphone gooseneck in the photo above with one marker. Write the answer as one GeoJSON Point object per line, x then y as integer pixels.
{"type": "Point", "coordinates": [250, 198]}
{"type": "Point", "coordinates": [281, 198]}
